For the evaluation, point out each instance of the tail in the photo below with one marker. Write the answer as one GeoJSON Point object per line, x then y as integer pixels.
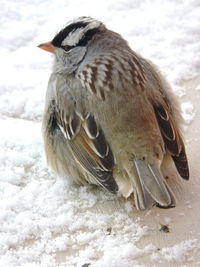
{"type": "Point", "coordinates": [150, 187]}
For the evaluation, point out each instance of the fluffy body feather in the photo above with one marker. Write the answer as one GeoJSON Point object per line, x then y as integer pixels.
{"type": "Point", "coordinates": [110, 117]}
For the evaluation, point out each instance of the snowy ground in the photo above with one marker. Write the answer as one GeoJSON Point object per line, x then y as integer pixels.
{"type": "Point", "coordinates": [43, 220]}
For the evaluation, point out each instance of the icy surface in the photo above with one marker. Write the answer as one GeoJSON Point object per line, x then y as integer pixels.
{"type": "Point", "coordinates": [43, 219]}
{"type": "Point", "coordinates": [188, 112]}
{"type": "Point", "coordinates": [198, 87]}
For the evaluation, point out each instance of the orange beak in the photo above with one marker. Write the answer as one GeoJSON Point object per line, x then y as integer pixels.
{"type": "Point", "coordinates": [48, 47]}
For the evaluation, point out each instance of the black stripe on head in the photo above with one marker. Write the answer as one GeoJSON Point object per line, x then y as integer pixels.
{"type": "Point", "coordinates": [57, 40]}
{"type": "Point", "coordinates": [87, 36]}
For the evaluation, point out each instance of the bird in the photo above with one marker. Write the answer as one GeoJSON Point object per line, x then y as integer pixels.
{"type": "Point", "coordinates": [111, 119]}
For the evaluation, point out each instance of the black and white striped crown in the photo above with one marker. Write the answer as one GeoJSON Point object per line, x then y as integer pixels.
{"type": "Point", "coordinates": [77, 32]}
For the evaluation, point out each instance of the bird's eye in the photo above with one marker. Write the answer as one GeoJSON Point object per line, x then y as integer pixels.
{"type": "Point", "coordinates": [67, 48]}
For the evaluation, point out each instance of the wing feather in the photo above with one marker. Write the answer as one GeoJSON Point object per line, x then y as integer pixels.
{"type": "Point", "coordinates": [90, 148]}
{"type": "Point", "coordinates": [172, 139]}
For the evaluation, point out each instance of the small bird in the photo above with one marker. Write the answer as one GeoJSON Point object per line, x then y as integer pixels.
{"type": "Point", "coordinates": [110, 117]}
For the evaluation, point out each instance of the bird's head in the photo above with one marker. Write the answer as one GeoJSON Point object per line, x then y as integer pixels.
{"type": "Point", "coordinates": [70, 44]}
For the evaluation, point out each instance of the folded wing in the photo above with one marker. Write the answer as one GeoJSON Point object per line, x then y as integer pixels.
{"type": "Point", "coordinates": [172, 139]}
{"type": "Point", "coordinates": [89, 148]}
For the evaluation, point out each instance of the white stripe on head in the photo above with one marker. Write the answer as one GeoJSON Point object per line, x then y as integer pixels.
{"type": "Point", "coordinates": [77, 34]}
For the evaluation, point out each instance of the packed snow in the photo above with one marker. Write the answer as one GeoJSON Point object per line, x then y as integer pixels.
{"type": "Point", "coordinates": [46, 221]}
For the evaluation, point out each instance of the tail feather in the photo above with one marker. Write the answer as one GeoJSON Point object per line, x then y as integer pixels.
{"type": "Point", "coordinates": [150, 186]}
{"type": "Point", "coordinates": [173, 200]}
{"type": "Point", "coordinates": [148, 201]}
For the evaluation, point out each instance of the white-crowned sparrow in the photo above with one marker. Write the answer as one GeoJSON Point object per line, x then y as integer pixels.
{"type": "Point", "coordinates": [110, 118]}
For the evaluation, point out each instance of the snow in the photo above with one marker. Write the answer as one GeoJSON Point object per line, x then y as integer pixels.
{"type": "Point", "coordinates": [188, 112]}
{"type": "Point", "coordinates": [45, 221]}
{"type": "Point", "coordinates": [198, 87]}
{"type": "Point", "coordinates": [178, 253]}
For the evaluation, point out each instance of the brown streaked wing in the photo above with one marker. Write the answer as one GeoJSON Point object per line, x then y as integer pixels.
{"type": "Point", "coordinates": [172, 139]}
{"type": "Point", "coordinates": [181, 164]}
{"type": "Point", "coordinates": [91, 150]}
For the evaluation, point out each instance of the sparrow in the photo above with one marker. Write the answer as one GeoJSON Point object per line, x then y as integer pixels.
{"type": "Point", "coordinates": [111, 119]}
